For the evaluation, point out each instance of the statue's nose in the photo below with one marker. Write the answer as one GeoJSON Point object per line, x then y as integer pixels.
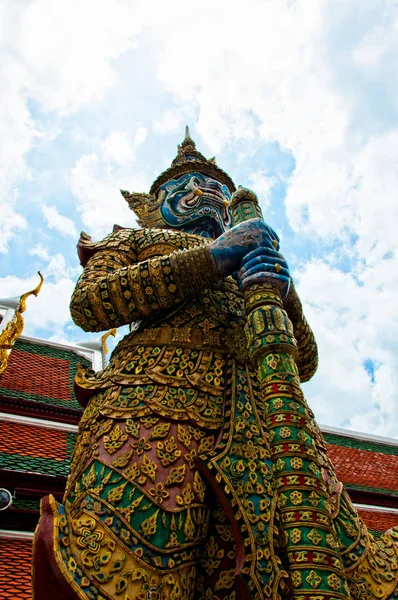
{"type": "Point", "coordinates": [211, 184]}
{"type": "Point", "coordinates": [212, 187]}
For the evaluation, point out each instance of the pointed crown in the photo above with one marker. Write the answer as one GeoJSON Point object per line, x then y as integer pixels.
{"type": "Point", "coordinates": [189, 159]}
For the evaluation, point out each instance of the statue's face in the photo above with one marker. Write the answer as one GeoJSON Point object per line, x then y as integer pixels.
{"type": "Point", "coordinates": [197, 204]}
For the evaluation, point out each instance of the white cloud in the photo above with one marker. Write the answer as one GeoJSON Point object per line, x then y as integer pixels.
{"type": "Point", "coordinates": [17, 136]}
{"type": "Point", "coordinates": [58, 268]}
{"type": "Point", "coordinates": [96, 179]}
{"type": "Point", "coordinates": [140, 137]}
{"type": "Point", "coordinates": [354, 322]}
{"type": "Point", "coordinates": [10, 223]}
{"type": "Point", "coordinates": [67, 50]}
{"type": "Point", "coordinates": [55, 59]}
{"type": "Point", "coordinates": [117, 148]}
{"type": "Point", "coordinates": [262, 183]}
{"type": "Point", "coordinates": [290, 72]}
{"type": "Point", "coordinates": [377, 47]}
{"type": "Point", "coordinates": [169, 122]}
{"type": "Point", "coordinates": [40, 251]}
{"type": "Point", "coordinates": [120, 148]}
{"type": "Point", "coordinates": [56, 221]}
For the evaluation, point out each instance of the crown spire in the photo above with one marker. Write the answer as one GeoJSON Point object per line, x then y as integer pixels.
{"type": "Point", "coordinates": [188, 146]}
{"type": "Point", "coordinates": [188, 160]}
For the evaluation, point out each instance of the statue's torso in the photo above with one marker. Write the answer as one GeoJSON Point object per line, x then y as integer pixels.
{"type": "Point", "coordinates": [174, 364]}
{"type": "Point", "coordinates": [157, 407]}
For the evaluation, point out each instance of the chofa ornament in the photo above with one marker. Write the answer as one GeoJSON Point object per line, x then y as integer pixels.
{"type": "Point", "coordinates": [14, 327]}
{"type": "Point", "coordinates": [199, 471]}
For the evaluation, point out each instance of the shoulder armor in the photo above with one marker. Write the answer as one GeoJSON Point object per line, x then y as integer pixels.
{"type": "Point", "coordinates": [138, 244]}
{"type": "Point", "coordinates": [121, 239]}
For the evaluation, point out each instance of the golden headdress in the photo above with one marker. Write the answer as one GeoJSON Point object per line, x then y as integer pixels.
{"type": "Point", "coordinates": [188, 159]}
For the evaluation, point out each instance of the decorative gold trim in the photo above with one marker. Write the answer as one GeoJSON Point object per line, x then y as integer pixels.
{"type": "Point", "coordinates": [14, 328]}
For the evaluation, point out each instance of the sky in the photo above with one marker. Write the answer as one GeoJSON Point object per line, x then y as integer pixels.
{"type": "Point", "coordinates": [298, 100]}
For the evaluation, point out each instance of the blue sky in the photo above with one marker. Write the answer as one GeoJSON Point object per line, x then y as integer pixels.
{"type": "Point", "coordinates": [298, 100]}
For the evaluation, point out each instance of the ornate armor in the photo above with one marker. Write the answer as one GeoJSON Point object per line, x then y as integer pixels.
{"type": "Point", "coordinates": [188, 480]}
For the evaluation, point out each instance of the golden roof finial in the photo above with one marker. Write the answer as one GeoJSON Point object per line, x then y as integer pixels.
{"type": "Point", "coordinates": [104, 347]}
{"type": "Point", "coordinates": [14, 327]}
{"type": "Point", "coordinates": [105, 337]}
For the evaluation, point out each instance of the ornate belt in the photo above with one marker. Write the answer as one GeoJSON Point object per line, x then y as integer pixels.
{"type": "Point", "coordinates": [186, 337]}
{"type": "Point", "coordinates": [232, 340]}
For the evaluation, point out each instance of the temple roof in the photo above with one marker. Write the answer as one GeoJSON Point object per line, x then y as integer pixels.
{"type": "Point", "coordinates": [30, 449]}
{"type": "Point", "coordinates": [364, 464]}
{"type": "Point", "coordinates": [39, 377]}
{"type": "Point", "coordinates": [378, 521]}
{"type": "Point", "coordinates": [15, 575]}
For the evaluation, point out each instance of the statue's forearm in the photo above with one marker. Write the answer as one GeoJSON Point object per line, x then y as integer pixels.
{"type": "Point", "coordinates": [137, 291]}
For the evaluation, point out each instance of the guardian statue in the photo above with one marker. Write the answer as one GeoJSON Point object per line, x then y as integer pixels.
{"type": "Point", "coordinates": [199, 472]}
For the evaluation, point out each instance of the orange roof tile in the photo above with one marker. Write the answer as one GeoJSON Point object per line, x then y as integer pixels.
{"type": "Point", "coordinates": [37, 374]}
{"type": "Point", "coordinates": [32, 449]}
{"type": "Point", "coordinates": [365, 468]}
{"type": "Point", "coordinates": [42, 374]}
{"type": "Point", "coordinates": [15, 569]}
{"type": "Point", "coordinates": [378, 521]}
{"type": "Point", "coordinates": [28, 440]}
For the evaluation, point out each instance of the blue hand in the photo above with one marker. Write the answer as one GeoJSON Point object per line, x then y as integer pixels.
{"type": "Point", "coordinates": [230, 248]}
{"type": "Point", "coordinates": [264, 265]}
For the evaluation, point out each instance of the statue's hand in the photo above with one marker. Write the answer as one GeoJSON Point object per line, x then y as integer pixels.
{"type": "Point", "coordinates": [232, 246]}
{"type": "Point", "coordinates": [264, 265]}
